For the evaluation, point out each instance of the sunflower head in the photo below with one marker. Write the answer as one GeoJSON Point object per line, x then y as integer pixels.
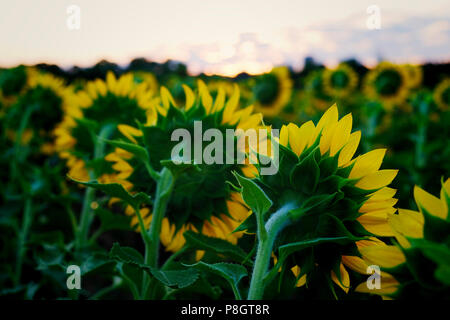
{"type": "Point", "coordinates": [337, 200]}
{"type": "Point", "coordinates": [148, 78]}
{"type": "Point", "coordinates": [314, 87]}
{"type": "Point", "coordinates": [44, 94]}
{"type": "Point", "coordinates": [272, 91]}
{"type": "Point", "coordinates": [340, 82]}
{"type": "Point", "coordinates": [388, 83]}
{"type": "Point", "coordinates": [417, 264]}
{"type": "Point", "coordinates": [12, 81]}
{"type": "Point", "coordinates": [97, 111]}
{"type": "Point", "coordinates": [215, 85]}
{"type": "Point", "coordinates": [442, 95]}
{"type": "Point", "coordinates": [415, 75]}
{"type": "Point", "coordinates": [202, 200]}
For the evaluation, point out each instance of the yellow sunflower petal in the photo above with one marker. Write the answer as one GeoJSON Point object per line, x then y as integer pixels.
{"type": "Point", "coordinates": [367, 163]}
{"type": "Point", "coordinates": [344, 283]}
{"type": "Point", "coordinates": [284, 136]}
{"type": "Point", "coordinates": [129, 132]}
{"type": "Point", "coordinates": [383, 256]}
{"type": "Point", "coordinates": [377, 179]}
{"type": "Point", "coordinates": [349, 149]}
{"type": "Point", "coordinates": [342, 134]}
{"type": "Point", "coordinates": [296, 271]}
{"type": "Point", "coordinates": [430, 203]}
{"type": "Point", "coordinates": [408, 223]}
{"type": "Point", "coordinates": [190, 97]}
{"type": "Point", "coordinates": [328, 118]}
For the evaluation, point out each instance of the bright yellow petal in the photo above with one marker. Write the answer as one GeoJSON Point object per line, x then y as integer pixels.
{"type": "Point", "coordinates": [205, 96]}
{"type": "Point", "coordinates": [296, 271]}
{"type": "Point", "coordinates": [129, 132]}
{"type": "Point", "coordinates": [367, 163]}
{"type": "Point", "coordinates": [190, 97]}
{"type": "Point", "coordinates": [408, 223]}
{"type": "Point", "coordinates": [430, 203]}
{"type": "Point", "coordinates": [220, 100]}
{"type": "Point", "coordinates": [383, 256]}
{"type": "Point", "coordinates": [342, 134]}
{"type": "Point", "coordinates": [327, 135]}
{"type": "Point", "coordinates": [349, 149]}
{"type": "Point", "coordinates": [345, 278]}
{"type": "Point", "coordinates": [284, 135]}
{"type": "Point", "coordinates": [166, 98]}
{"type": "Point", "coordinates": [376, 222]}
{"type": "Point", "coordinates": [383, 194]}
{"type": "Point", "coordinates": [388, 285]}
{"type": "Point", "coordinates": [329, 117]}
{"type": "Point", "coordinates": [231, 105]}
{"type": "Point", "coordinates": [355, 263]}
{"type": "Point", "coordinates": [294, 138]}
{"type": "Point", "coordinates": [376, 180]}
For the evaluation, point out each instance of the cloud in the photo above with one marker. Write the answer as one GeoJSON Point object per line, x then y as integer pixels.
{"type": "Point", "coordinates": [401, 38]}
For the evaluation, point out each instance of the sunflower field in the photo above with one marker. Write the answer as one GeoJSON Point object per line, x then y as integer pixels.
{"type": "Point", "coordinates": [94, 205]}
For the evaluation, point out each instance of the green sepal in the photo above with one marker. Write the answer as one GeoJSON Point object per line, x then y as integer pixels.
{"type": "Point", "coordinates": [138, 151]}
{"type": "Point", "coordinates": [305, 175]}
{"type": "Point", "coordinates": [254, 196]}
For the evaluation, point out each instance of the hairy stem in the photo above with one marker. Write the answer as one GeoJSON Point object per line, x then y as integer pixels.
{"type": "Point", "coordinates": [265, 246]}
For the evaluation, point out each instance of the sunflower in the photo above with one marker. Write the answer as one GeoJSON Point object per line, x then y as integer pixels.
{"type": "Point", "coordinates": [201, 201]}
{"type": "Point", "coordinates": [442, 94]}
{"type": "Point", "coordinates": [314, 88]}
{"type": "Point", "coordinates": [418, 263]}
{"type": "Point", "coordinates": [415, 75]}
{"type": "Point", "coordinates": [148, 78]}
{"type": "Point", "coordinates": [336, 201]}
{"type": "Point", "coordinates": [215, 85]}
{"type": "Point", "coordinates": [388, 83]}
{"type": "Point", "coordinates": [340, 82]}
{"type": "Point", "coordinates": [13, 82]}
{"type": "Point", "coordinates": [97, 111]}
{"type": "Point", "coordinates": [272, 91]}
{"type": "Point", "coordinates": [175, 85]}
{"type": "Point", "coordinates": [43, 94]}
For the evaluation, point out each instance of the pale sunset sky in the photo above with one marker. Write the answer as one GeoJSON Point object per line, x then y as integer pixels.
{"type": "Point", "coordinates": [224, 37]}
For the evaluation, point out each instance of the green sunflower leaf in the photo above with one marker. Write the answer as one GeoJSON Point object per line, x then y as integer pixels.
{"type": "Point", "coordinates": [111, 221]}
{"type": "Point", "coordinates": [288, 249]}
{"type": "Point", "coordinates": [176, 278]}
{"type": "Point", "coordinates": [231, 272]}
{"type": "Point", "coordinates": [179, 168]}
{"type": "Point", "coordinates": [218, 246]}
{"type": "Point", "coordinates": [126, 254]}
{"type": "Point", "coordinates": [116, 190]}
{"type": "Point", "coordinates": [442, 273]}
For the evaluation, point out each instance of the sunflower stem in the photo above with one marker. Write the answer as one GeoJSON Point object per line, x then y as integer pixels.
{"type": "Point", "coordinates": [273, 226]}
{"type": "Point", "coordinates": [86, 214]}
{"type": "Point", "coordinates": [421, 135]}
{"type": "Point", "coordinates": [22, 239]}
{"type": "Point", "coordinates": [164, 189]}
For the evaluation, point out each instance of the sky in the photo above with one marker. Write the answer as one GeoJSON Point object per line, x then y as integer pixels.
{"type": "Point", "coordinates": [224, 37]}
